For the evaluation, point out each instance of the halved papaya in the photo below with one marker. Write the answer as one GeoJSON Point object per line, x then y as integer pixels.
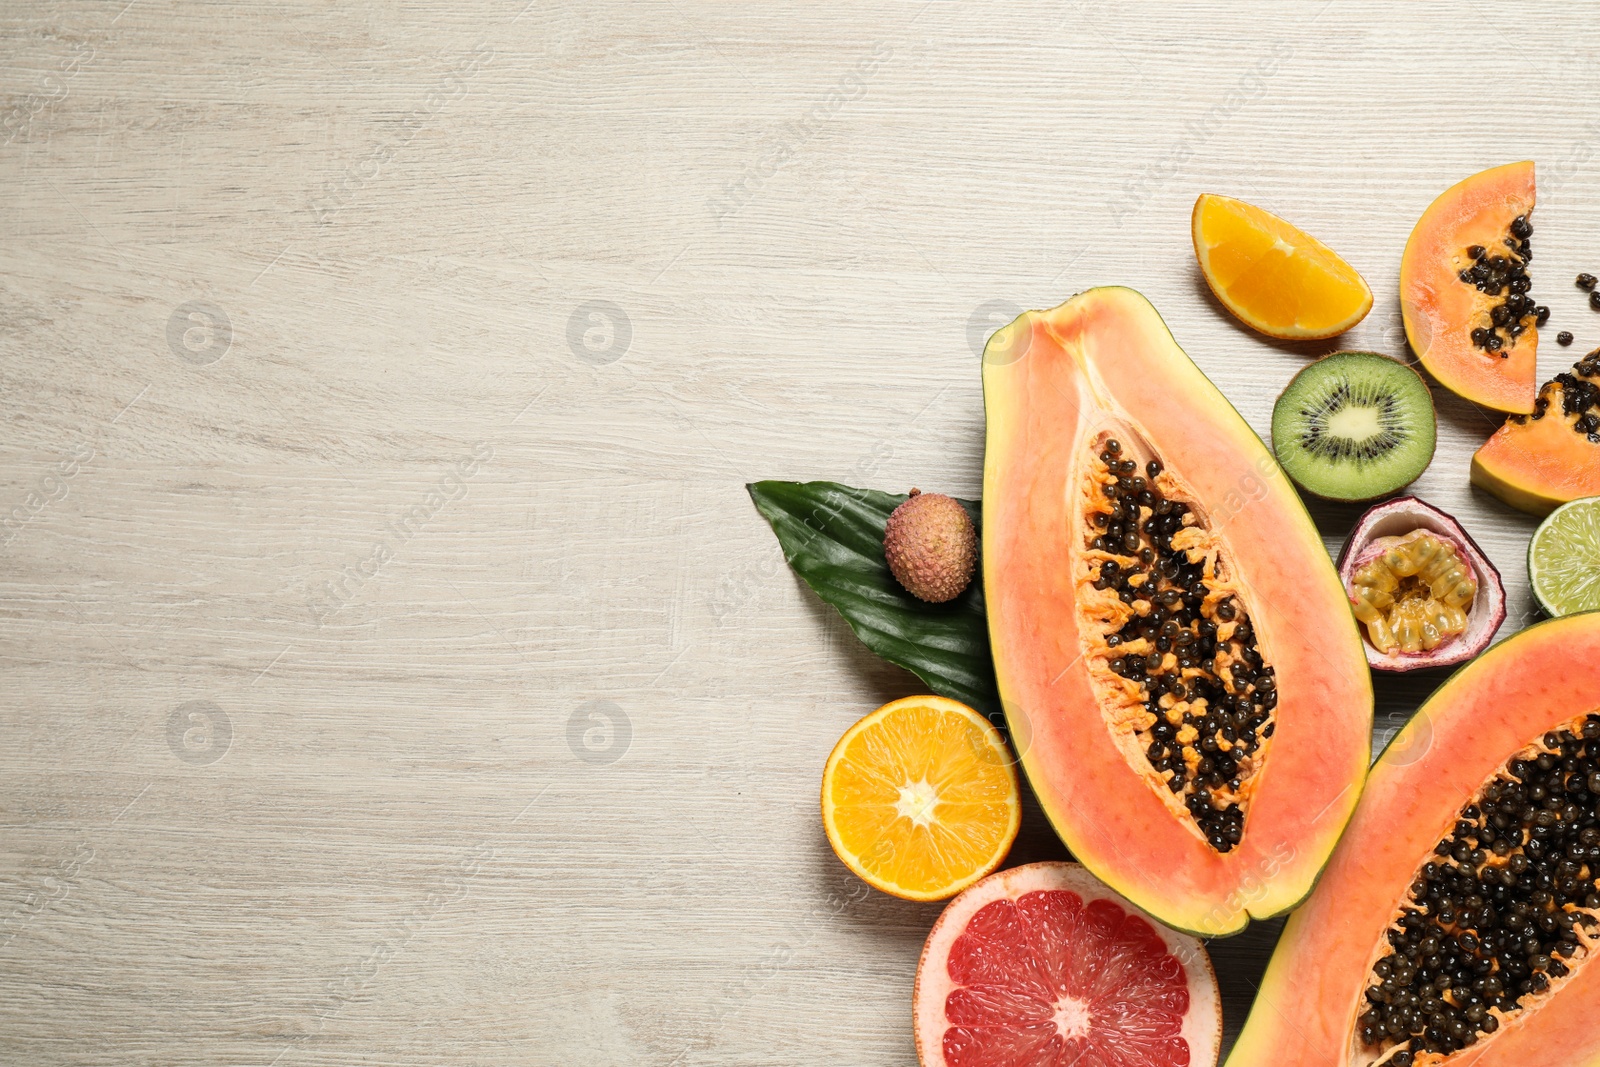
{"type": "Point", "coordinates": [1459, 914]}
{"type": "Point", "coordinates": [1535, 462]}
{"type": "Point", "coordinates": [1175, 656]}
{"type": "Point", "coordinates": [1464, 289]}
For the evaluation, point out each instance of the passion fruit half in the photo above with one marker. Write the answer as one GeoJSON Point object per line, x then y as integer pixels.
{"type": "Point", "coordinates": [1421, 588]}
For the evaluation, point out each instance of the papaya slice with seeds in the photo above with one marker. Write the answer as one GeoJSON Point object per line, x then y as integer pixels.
{"type": "Point", "coordinates": [1464, 289]}
{"type": "Point", "coordinates": [1181, 673]}
{"type": "Point", "coordinates": [1536, 462]}
{"type": "Point", "coordinates": [1459, 916]}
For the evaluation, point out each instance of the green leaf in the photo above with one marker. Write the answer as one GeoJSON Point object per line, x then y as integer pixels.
{"type": "Point", "coordinates": [832, 535]}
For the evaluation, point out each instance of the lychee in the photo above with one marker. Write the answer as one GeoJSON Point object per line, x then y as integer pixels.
{"type": "Point", "coordinates": [931, 546]}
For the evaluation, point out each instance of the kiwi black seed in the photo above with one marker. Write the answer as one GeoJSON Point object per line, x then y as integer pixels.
{"type": "Point", "coordinates": [1353, 426]}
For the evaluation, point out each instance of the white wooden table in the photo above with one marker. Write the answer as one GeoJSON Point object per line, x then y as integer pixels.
{"type": "Point", "coordinates": [396, 669]}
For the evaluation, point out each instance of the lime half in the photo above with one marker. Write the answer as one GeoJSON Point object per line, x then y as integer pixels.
{"type": "Point", "coordinates": [1564, 559]}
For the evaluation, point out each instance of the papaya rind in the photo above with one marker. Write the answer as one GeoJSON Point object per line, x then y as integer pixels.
{"type": "Point", "coordinates": [1488, 475]}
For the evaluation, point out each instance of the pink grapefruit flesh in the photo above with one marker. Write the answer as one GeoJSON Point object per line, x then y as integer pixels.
{"type": "Point", "coordinates": [1043, 966]}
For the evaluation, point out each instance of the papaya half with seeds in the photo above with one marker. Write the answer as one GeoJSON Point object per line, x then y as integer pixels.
{"type": "Point", "coordinates": [1458, 918]}
{"type": "Point", "coordinates": [1536, 462]}
{"type": "Point", "coordinates": [1176, 659]}
{"type": "Point", "coordinates": [1464, 289]}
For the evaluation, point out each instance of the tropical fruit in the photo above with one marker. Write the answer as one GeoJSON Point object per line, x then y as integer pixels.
{"type": "Point", "coordinates": [1422, 589]}
{"type": "Point", "coordinates": [1354, 426]}
{"type": "Point", "coordinates": [919, 798]}
{"type": "Point", "coordinates": [1458, 917]}
{"type": "Point", "coordinates": [1175, 656]}
{"type": "Point", "coordinates": [1273, 277]}
{"type": "Point", "coordinates": [1564, 559]}
{"type": "Point", "coordinates": [1464, 289]}
{"type": "Point", "coordinates": [1043, 966]}
{"type": "Point", "coordinates": [1552, 455]}
{"type": "Point", "coordinates": [931, 546]}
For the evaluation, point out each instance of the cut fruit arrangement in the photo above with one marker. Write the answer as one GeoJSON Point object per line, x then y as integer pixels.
{"type": "Point", "coordinates": [1185, 677]}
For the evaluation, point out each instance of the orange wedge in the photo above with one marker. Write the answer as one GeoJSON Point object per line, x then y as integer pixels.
{"type": "Point", "coordinates": [1275, 278]}
{"type": "Point", "coordinates": [920, 798]}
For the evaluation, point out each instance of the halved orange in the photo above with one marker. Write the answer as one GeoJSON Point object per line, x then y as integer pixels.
{"type": "Point", "coordinates": [920, 798]}
{"type": "Point", "coordinates": [1275, 278]}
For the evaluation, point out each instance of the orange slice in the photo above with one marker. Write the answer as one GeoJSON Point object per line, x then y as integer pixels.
{"type": "Point", "coordinates": [1275, 278]}
{"type": "Point", "coordinates": [920, 798]}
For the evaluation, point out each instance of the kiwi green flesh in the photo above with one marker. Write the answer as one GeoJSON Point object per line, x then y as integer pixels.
{"type": "Point", "coordinates": [1353, 426]}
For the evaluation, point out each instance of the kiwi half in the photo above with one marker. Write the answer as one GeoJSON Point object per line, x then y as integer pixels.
{"type": "Point", "coordinates": [1353, 426]}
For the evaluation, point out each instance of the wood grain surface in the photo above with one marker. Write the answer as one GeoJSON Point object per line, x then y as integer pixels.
{"type": "Point", "coordinates": [396, 670]}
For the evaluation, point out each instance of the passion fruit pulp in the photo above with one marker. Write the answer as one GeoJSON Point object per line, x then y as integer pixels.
{"type": "Point", "coordinates": [1422, 589]}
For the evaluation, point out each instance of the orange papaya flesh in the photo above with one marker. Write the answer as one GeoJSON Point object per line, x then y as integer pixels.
{"type": "Point", "coordinates": [1539, 461]}
{"type": "Point", "coordinates": [1442, 310]}
{"type": "Point", "coordinates": [1175, 657]}
{"type": "Point", "coordinates": [1475, 739]}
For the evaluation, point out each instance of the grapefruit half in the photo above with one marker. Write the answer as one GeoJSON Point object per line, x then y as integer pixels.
{"type": "Point", "coordinates": [1043, 966]}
